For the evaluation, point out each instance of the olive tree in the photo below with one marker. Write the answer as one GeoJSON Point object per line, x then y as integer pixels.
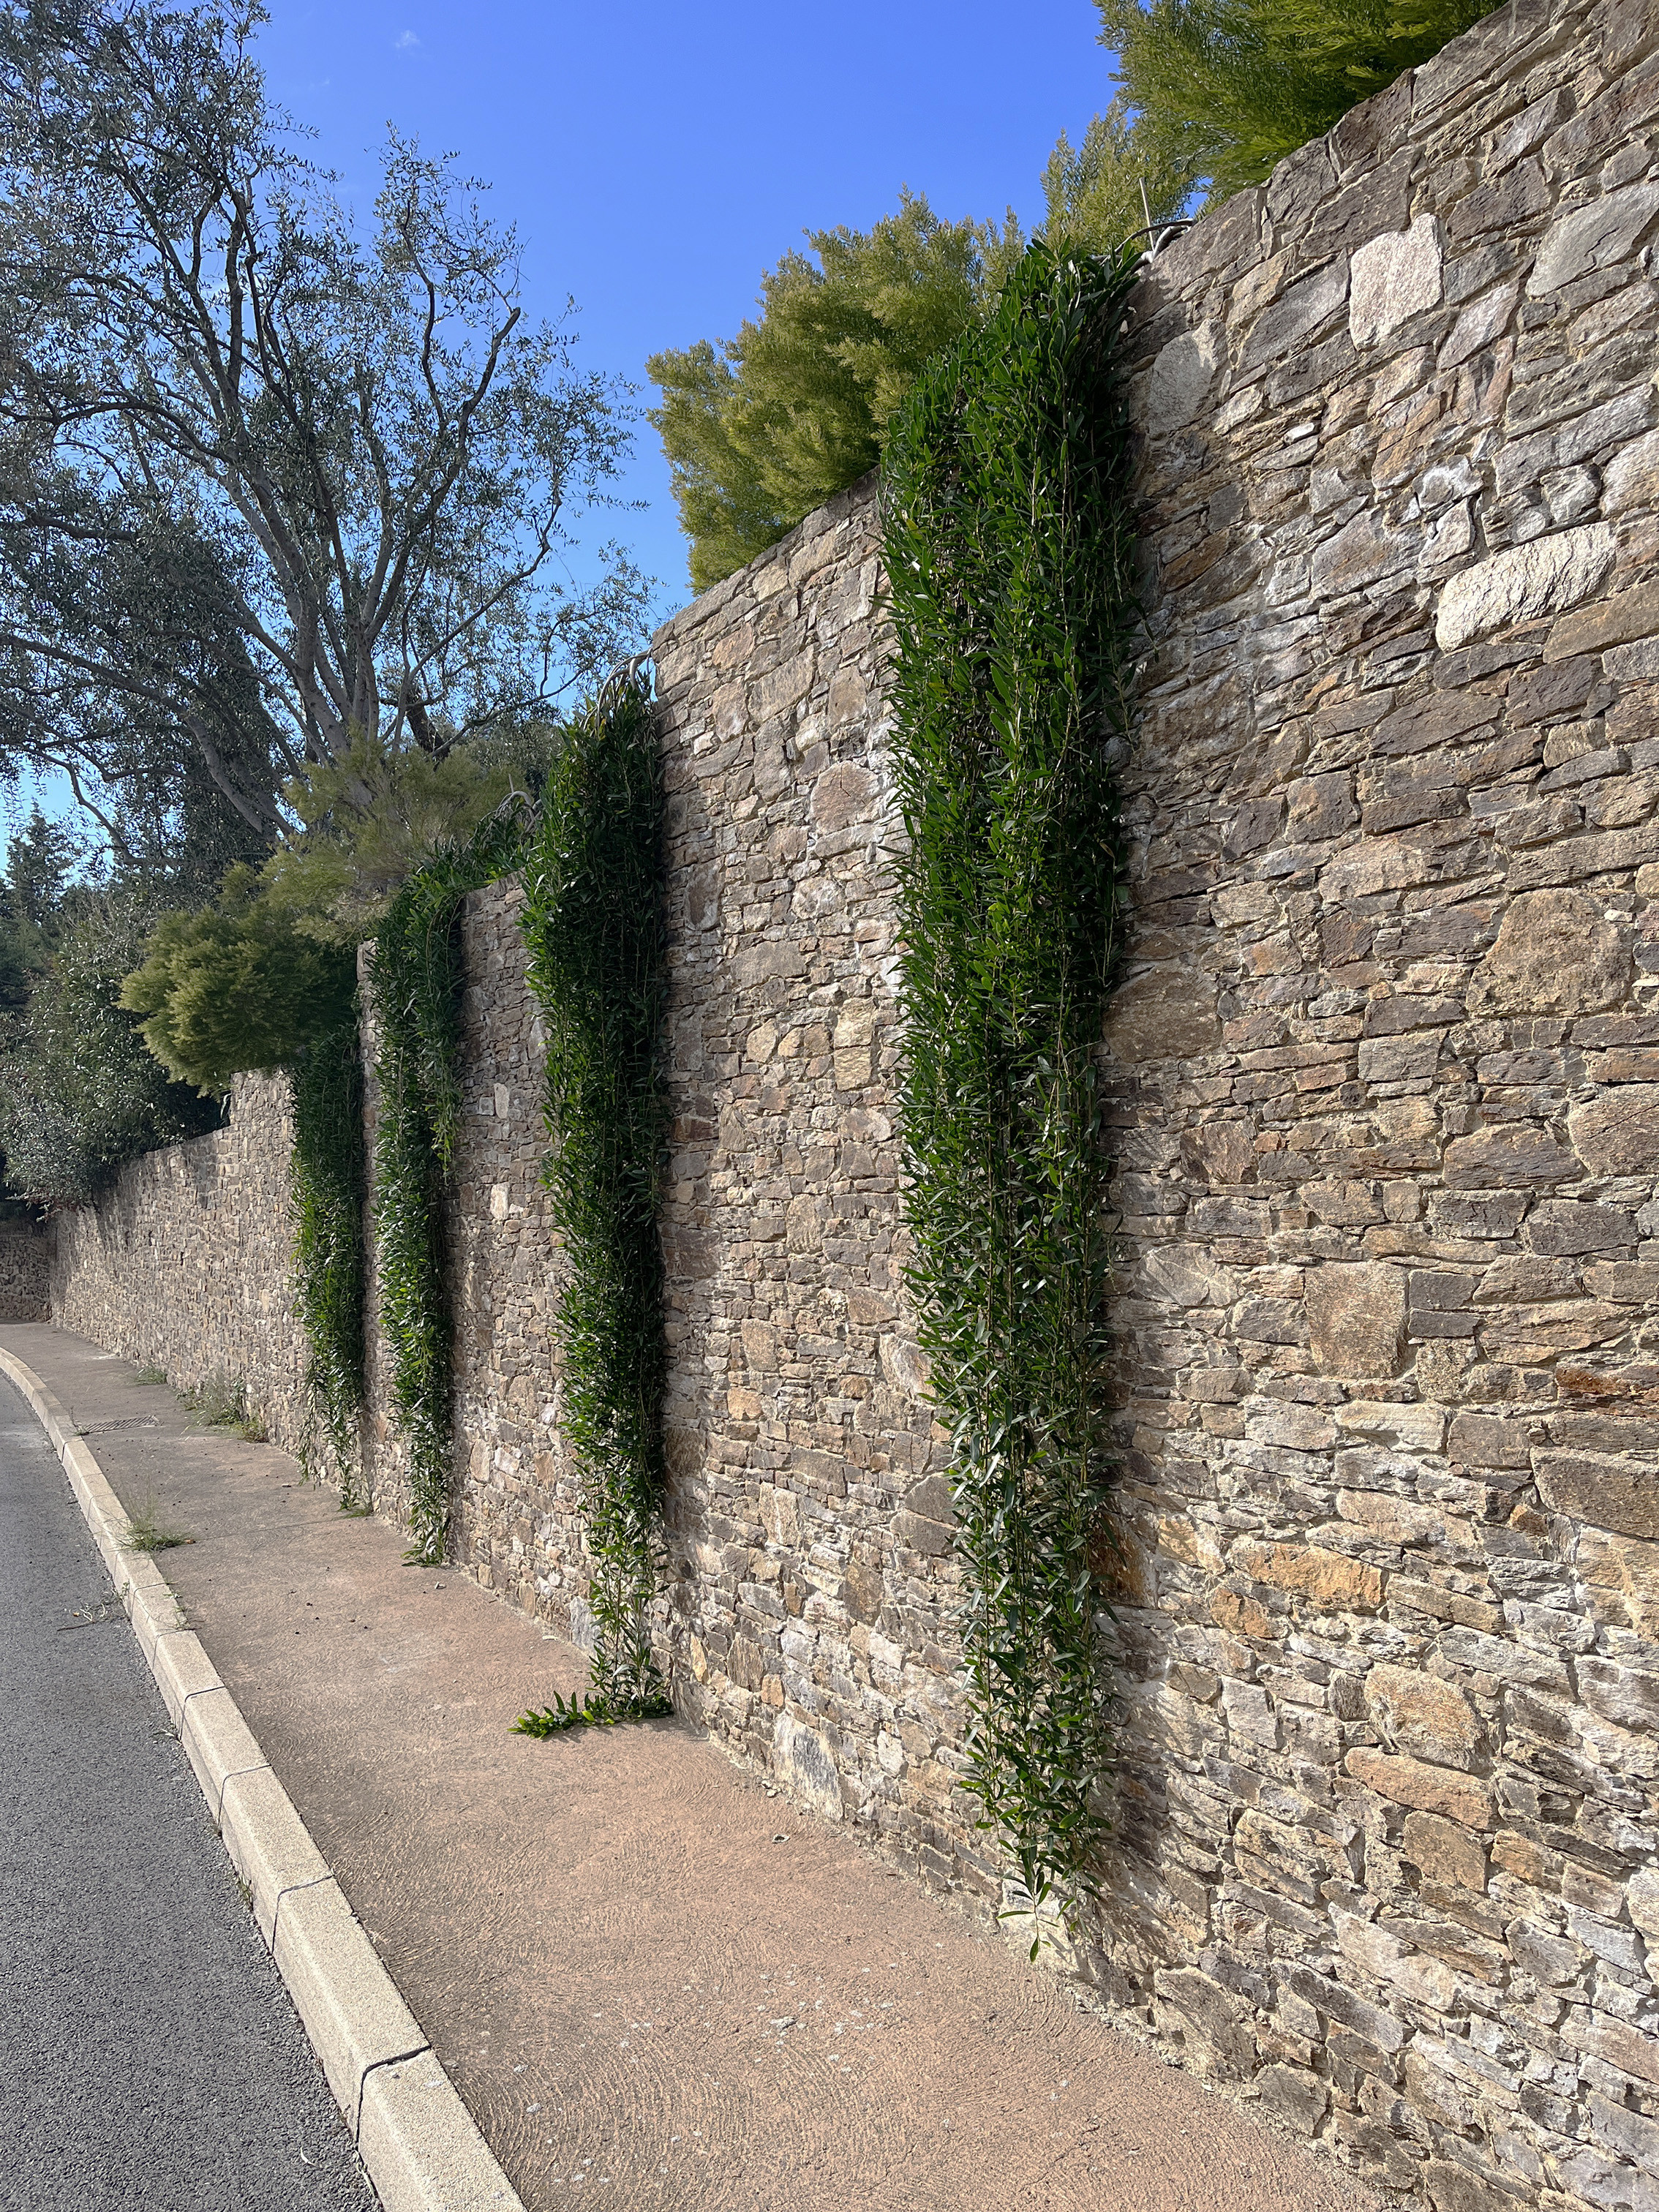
{"type": "Point", "coordinates": [273, 481]}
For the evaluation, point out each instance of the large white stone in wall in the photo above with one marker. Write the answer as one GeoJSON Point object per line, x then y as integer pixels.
{"type": "Point", "coordinates": [1393, 278]}
{"type": "Point", "coordinates": [1181, 380]}
{"type": "Point", "coordinates": [1544, 577]}
{"type": "Point", "coordinates": [1592, 237]}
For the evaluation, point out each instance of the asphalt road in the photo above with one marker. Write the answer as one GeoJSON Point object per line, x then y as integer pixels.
{"type": "Point", "coordinates": [149, 2055]}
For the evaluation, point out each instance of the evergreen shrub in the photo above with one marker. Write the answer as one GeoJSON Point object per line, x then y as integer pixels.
{"type": "Point", "coordinates": [1008, 550]}
{"type": "Point", "coordinates": [593, 925]}
{"type": "Point", "coordinates": [416, 984]}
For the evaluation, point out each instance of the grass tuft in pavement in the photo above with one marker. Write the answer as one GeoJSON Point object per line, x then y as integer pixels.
{"type": "Point", "coordinates": [148, 1532]}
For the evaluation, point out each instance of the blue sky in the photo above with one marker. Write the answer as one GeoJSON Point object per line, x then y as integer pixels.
{"type": "Point", "coordinates": [657, 160]}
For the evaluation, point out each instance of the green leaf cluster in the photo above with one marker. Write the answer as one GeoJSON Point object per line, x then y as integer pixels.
{"type": "Point", "coordinates": [593, 926]}
{"type": "Point", "coordinates": [1009, 549]}
{"type": "Point", "coordinates": [594, 1710]}
{"type": "Point", "coordinates": [80, 1095]}
{"type": "Point", "coordinates": [236, 988]}
{"type": "Point", "coordinates": [1228, 87]}
{"type": "Point", "coordinates": [416, 982]}
{"type": "Point", "coordinates": [767, 425]}
{"type": "Point", "coordinates": [326, 1199]}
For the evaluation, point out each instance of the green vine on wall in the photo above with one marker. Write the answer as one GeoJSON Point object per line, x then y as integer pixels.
{"type": "Point", "coordinates": [327, 1185]}
{"type": "Point", "coordinates": [1008, 550]}
{"type": "Point", "coordinates": [416, 981]}
{"type": "Point", "coordinates": [593, 924]}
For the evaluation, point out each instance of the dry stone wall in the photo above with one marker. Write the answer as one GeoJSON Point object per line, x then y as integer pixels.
{"type": "Point", "coordinates": [810, 1569]}
{"type": "Point", "coordinates": [1387, 1102]}
{"type": "Point", "coordinates": [25, 1271]}
{"type": "Point", "coordinates": [186, 1265]}
{"type": "Point", "coordinates": [1386, 1092]}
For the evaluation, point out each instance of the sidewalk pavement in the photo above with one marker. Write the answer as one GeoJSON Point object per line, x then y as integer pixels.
{"type": "Point", "coordinates": [654, 1982]}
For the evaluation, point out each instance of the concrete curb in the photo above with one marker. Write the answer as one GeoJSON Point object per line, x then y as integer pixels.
{"type": "Point", "coordinates": [419, 2144]}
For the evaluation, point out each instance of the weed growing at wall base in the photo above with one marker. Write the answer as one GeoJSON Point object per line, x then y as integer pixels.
{"type": "Point", "coordinates": [1008, 553]}
{"type": "Point", "coordinates": [415, 983]}
{"type": "Point", "coordinates": [593, 925]}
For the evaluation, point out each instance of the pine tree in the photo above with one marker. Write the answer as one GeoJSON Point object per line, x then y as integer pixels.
{"type": "Point", "coordinates": [1095, 194]}
{"type": "Point", "coordinates": [1230, 86]}
{"type": "Point", "coordinates": [767, 425]}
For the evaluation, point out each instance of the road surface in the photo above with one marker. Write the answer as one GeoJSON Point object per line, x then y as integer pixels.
{"type": "Point", "coordinates": [149, 2056]}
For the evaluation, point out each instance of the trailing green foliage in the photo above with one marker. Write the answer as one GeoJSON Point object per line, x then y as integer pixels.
{"type": "Point", "coordinates": [236, 988]}
{"type": "Point", "coordinates": [414, 983]}
{"type": "Point", "coordinates": [327, 1188]}
{"type": "Point", "coordinates": [1008, 547]}
{"type": "Point", "coordinates": [593, 925]}
{"type": "Point", "coordinates": [766, 427]}
{"type": "Point", "coordinates": [1228, 87]}
{"type": "Point", "coordinates": [239, 988]}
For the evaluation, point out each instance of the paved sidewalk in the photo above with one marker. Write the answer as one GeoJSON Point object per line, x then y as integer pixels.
{"type": "Point", "coordinates": [149, 2055]}
{"type": "Point", "coordinates": [654, 1983]}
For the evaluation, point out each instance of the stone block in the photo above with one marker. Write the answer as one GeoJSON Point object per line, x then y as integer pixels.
{"type": "Point", "coordinates": [1608, 1493]}
{"type": "Point", "coordinates": [1297, 314]}
{"type": "Point", "coordinates": [1419, 1714]}
{"type": "Point", "coordinates": [1182, 375]}
{"type": "Point", "coordinates": [352, 2013]}
{"type": "Point", "coordinates": [1642, 1903]}
{"type": "Point", "coordinates": [1621, 1574]}
{"type": "Point", "coordinates": [1618, 1134]}
{"type": "Point", "coordinates": [804, 1763]}
{"type": "Point", "coordinates": [843, 796]}
{"type": "Point", "coordinates": [182, 1670]}
{"type": "Point", "coordinates": [1452, 2188]}
{"type": "Point", "coordinates": [1331, 1580]}
{"type": "Point", "coordinates": [1545, 576]}
{"type": "Point", "coordinates": [1426, 1788]}
{"type": "Point", "coordinates": [905, 1365]}
{"type": "Point", "coordinates": [1294, 2095]}
{"type": "Point", "coordinates": [1590, 238]}
{"type": "Point", "coordinates": [1632, 2134]}
{"type": "Point", "coordinates": [1393, 278]}
{"type": "Point", "coordinates": [218, 1743]}
{"type": "Point", "coordinates": [1555, 953]}
{"type": "Point", "coordinates": [423, 2147]}
{"type": "Point", "coordinates": [1162, 1014]}
{"type": "Point", "coordinates": [1357, 1318]}
{"type": "Point", "coordinates": [1621, 619]}
{"type": "Point", "coordinates": [268, 1842]}
{"type": "Point", "coordinates": [1212, 2018]}
{"type": "Point", "coordinates": [1443, 1852]}
{"type": "Point", "coordinates": [1415, 1428]}
{"type": "Point", "coordinates": [1510, 1154]}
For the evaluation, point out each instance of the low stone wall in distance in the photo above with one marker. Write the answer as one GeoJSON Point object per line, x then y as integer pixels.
{"type": "Point", "coordinates": [25, 1271]}
{"type": "Point", "coordinates": [186, 1266]}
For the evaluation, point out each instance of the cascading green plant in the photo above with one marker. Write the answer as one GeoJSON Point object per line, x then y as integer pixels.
{"type": "Point", "coordinates": [327, 1187]}
{"type": "Point", "coordinates": [593, 924]}
{"type": "Point", "coordinates": [1008, 550]}
{"type": "Point", "coordinates": [415, 983]}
